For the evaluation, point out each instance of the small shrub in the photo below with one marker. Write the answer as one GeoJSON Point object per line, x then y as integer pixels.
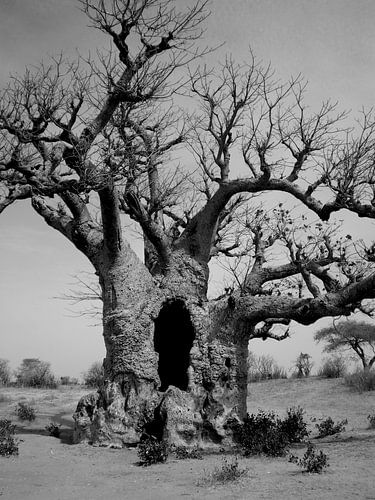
{"type": "Point", "coordinates": [8, 444]}
{"type": "Point", "coordinates": [152, 451]}
{"type": "Point", "coordinates": [261, 433]}
{"type": "Point", "coordinates": [312, 461]}
{"type": "Point", "coordinates": [333, 367]}
{"type": "Point", "coordinates": [371, 419]}
{"type": "Point", "coordinates": [53, 429]}
{"type": "Point", "coordinates": [183, 453]}
{"type": "Point", "coordinates": [328, 427]}
{"type": "Point", "coordinates": [360, 381]}
{"type": "Point", "coordinates": [94, 377]}
{"type": "Point", "coordinates": [229, 471]}
{"type": "Point", "coordinates": [293, 426]}
{"type": "Point", "coordinates": [25, 412]}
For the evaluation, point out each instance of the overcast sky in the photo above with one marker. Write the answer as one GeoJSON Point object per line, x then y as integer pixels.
{"type": "Point", "coordinates": [331, 42]}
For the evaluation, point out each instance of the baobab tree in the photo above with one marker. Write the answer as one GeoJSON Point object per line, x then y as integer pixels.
{"type": "Point", "coordinates": [93, 142]}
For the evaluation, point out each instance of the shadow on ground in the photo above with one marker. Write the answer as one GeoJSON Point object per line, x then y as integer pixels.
{"type": "Point", "coordinates": [66, 430]}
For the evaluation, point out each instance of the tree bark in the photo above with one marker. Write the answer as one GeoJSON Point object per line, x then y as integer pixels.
{"type": "Point", "coordinates": [175, 366]}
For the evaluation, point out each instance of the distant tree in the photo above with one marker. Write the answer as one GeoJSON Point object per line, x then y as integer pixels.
{"type": "Point", "coordinates": [264, 367]}
{"type": "Point", "coordinates": [66, 380]}
{"type": "Point", "coordinates": [35, 373]}
{"type": "Point", "coordinates": [333, 367]}
{"type": "Point", "coordinates": [303, 365]}
{"type": "Point", "coordinates": [94, 376]}
{"type": "Point", "coordinates": [357, 336]}
{"type": "Point", "coordinates": [5, 372]}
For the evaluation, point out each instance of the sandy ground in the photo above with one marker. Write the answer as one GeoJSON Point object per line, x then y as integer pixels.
{"type": "Point", "coordinates": [50, 468]}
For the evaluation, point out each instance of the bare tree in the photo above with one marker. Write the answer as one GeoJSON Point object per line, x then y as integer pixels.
{"type": "Point", "coordinates": [91, 141]}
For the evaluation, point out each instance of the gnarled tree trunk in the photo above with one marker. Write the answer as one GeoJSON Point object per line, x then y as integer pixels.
{"type": "Point", "coordinates": [173, 368]}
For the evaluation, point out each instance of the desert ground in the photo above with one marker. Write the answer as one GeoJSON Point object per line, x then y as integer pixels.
{"type": "Point", "coordinates": [54, 468]}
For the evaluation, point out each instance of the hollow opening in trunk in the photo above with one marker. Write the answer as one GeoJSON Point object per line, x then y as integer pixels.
{"type": "Point", "coordinates": [173, 340]}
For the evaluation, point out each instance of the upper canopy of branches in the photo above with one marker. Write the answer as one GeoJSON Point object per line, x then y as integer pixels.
{"type": "Point", "coordinates": [108, 130]}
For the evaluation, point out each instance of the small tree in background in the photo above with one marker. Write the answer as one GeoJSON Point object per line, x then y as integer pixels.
{"type": "Point", "coordinates": [5, 372]}
{"type": "Point", "coordinates": [350, 335]}
{"type": "Point", "coordinates": [303, 365]}
{"type": "Point", "coordinates": [94, 376]}
{"type": "Point", "coordinates": [264, 367]}
{"type": "Point", "coordinates": [35, 373]}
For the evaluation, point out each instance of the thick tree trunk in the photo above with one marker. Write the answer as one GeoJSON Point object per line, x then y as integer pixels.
{"type": "Point", "coordinates": [173, 368]}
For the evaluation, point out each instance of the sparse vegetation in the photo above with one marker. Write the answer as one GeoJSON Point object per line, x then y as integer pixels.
{"type": "Point", "coordinates": [5, 372]}
{"type": "Point", "coordinates": [35, 373]}
{"type": "Point", "coordinates": [312, 461]}
{"type": "Point", "coordinates": [361, 381]}
{"type": "Point", "coordinates": [333, 367]}
{"type": "Point", "coordinates": [152, 451]}
{"type": "Point", "coordinates": [94, 377]}
{"type": "Point", "coordinates": [53, 429]}
{"type": "Point", "coordinates": [312, 393]}
{"type": "Point", "coordinates": [228, 471]}
{"type": "Point", "coordinates": [328, 427]}
{"type": "Point", "coordinates": [264, 367]}
{"type": "Point", "coordinates": [8, 443]}
{"type": "Point", "coordinates": [25, 412]}
{"type": "Point", "coordinates": [183, 453]}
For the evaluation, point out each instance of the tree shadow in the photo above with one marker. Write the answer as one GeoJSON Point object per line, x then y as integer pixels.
{"type": "Point", "coordinates": [66, 429]}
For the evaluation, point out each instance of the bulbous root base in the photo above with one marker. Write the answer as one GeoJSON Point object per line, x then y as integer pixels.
{"type": "Point", "coordinates": [118, 416]}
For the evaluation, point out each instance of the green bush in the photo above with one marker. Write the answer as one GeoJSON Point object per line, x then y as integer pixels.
{"type": "Point", "coordinates": [265, 433]}
{"type": "Point", "coordinates": [333, 367]}
{"type": "Point", "coordinates": [8, 444]}
{"type": "Point", "coordinates": [152, 451]}
{"type": "Point", "coordinates": [53, 429]}
{"type": "Point", "coordinates": [328, 427]}
{"type": "Point", "coordinates": [294, 426]}
{"type": "Point", "coordinates": [361, 381]}
{"type": "Point", "coordinates": [35, 373]}
{"type": "Point", "coordinates": [312, 461]}
{"type": "Point", "coordinates": [261, 434]}
{"type": "Point", "coordinates": [25, 412]}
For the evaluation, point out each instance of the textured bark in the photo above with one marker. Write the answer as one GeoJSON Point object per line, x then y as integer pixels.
{"type": "Point", "coordinates": [183, 389]}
